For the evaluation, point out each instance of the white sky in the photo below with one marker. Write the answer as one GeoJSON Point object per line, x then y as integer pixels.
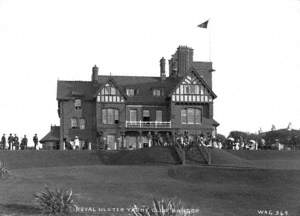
{"type": "Point", "coordinates": [255, 49]}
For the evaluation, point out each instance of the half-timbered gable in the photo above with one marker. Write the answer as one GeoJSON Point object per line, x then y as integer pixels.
{"type": "Point", "coordinates": [192, 88]}
{"type": "Point", "coordinates": [109, 93]}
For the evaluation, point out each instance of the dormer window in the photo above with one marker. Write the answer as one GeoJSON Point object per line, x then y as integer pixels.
{"type": "Point", "coordinates": [131, 92]}
{"type": "Point", "coordinates": [77, 104]}
{"type": "Point", "coordinates": [157, 92]}
{"type": "Point", "coordinates": [110, 94]}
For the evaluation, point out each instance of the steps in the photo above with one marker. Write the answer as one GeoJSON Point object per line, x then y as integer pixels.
{"type": "Point", "coordinates": [195, 156]}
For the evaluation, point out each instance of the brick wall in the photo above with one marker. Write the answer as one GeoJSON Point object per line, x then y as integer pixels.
{"type": "Point", "coordinates": [88, 112]}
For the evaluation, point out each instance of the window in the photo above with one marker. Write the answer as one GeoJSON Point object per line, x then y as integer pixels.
{"type": "Point", "coordinates": [131, 91]}
{"type": "Point", "coordinates": [159, 115]}
{"type": "Point", "coordinates": [82, 123]}
{"type": "Point", "coordinates": [132, 115]}
{"type": "Point", "coordinates": [110, 116]}
{"type": "Point", "coordinates": [183, 116]}
{"type": "Point", "coordinates": [74, 123]}
{"type": "Point", "coordinates": [109, 94]}
{"type": "Point", "coordinates": [77, 104]}
{"type": "Point", "coordinates": [191, 116]}
{"type": "Point", "coordinates": [146, 115]}
{"type": "Point", "coordinates": [157, 92]}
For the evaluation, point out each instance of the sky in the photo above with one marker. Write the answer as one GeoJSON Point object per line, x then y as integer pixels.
{"type": "Point", "coordinates": [254, 46]}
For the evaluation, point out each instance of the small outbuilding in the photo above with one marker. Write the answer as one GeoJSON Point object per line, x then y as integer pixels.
{"type": "Point", "coordinates": [51, 140]}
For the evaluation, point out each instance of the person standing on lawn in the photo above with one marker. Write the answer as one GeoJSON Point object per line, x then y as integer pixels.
{"type": "Point", "coordinates": [35, 141]}
{"type": "Point", "coordinates": [16, 142]}
{"type": "Point", "coordinates": [3, 142]}
{"type": "Point", "coordinates": [24, 143]}
{"type": "Point", "coordinates": [10, 141]}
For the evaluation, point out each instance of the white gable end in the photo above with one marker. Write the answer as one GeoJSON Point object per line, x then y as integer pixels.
{"type": "Point", "coordinates": [191, 90]}
{"type": "Point", "coordinates": [109, 93]}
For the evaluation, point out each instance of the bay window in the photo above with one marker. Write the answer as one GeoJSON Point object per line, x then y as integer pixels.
{"type": "Point", "coordinates": [110, 116]}
{"type": "Point", "coordinates": [191, 116]}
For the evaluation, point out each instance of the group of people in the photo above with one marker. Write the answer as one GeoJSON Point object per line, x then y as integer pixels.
{"type": "Point", "coordinates": [77, 144]}
{"type": "Point", "coordinates": [240, 145]}
{"type": "Point", "coordinates": [12, 142]}
{"type": "Point", "coordinates": [201, 140]}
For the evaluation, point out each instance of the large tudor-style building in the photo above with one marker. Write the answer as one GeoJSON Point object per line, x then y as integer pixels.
{"type": "Point", "coordinates": [118, 112]}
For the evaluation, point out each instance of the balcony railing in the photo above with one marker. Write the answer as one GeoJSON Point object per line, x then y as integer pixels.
{"type": "Point", "coordinates": [147, 124]}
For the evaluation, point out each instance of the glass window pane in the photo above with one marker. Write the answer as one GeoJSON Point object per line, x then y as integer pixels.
{"type": "Point", "coordinates": [104, 118]}
{"type": "Point", "coordinates": [190, 116]}
{"type": "Point", "coordinates": [181, 89]}
{"type": "Point", "coordinates": [197, 89]}
{"type": "Point", "coordinates": [202, 90]}
{"type": "Point", "coordinates": [73, 122]}
{"type": "Point", "coordinates": [132, 115]}
{"type": "Point", "coordinates": [110, 116]}
{"type": "Point", "coordinates": [82, 124]}
{"type": "Point", "coordinates": [106, 90]}
{"type": "Point", "coordinates": [183, 116]}
{"type": "Point", "coordinates": [158, 115]}
{"type": "Point", "coordinates": [198, 116]}
{"type": "Point", "coordinates": [192, 89]}
{"type": "Point", "coordinates": [146, 113]}
{"type": "Point", "coordinates": [113, 91]}
{"type": "Point", "coordinates": [77, 103]}
{"type": "Point", "coordinates": [98, 98]}
{"type": "Point", "coordinates": [173, 97]}
{"type": "Point", "coordinates": [116, 114]}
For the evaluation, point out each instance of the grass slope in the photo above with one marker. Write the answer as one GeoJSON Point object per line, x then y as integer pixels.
{"type": "Point", "coordinates": [215, 191]}
{"type": "Point", "coordinates": [222, 157]}
{"type": "Point", "coordinates": [267, 155]}
{"type": "Point", "coordinates": [29, 159]}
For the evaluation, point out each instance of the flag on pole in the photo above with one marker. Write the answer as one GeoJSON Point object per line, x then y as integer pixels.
{"type": "Point", "coordinates": [203, 25]}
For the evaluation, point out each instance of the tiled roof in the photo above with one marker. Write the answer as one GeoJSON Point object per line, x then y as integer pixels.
{"type": "Point", "coordinates": [202, 67]}
{"type": "Point", "coordinates": [53, 135]}
{"type": "Point", "coordinates": [69, 89]}
{"type": "Point", "coordinates": [145, 84]}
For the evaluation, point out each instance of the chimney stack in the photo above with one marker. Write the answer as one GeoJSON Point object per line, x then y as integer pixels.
{"type": "Point", "coordinates": [163, 68]}
{"type": "Point", "coordinates": [95, 73]}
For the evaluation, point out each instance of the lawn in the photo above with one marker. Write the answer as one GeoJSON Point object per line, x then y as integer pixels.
{"type": "Point", "coordinates": [214, 190]}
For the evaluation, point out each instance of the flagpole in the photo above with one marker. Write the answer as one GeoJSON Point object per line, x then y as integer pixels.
{"type": "Point", "coordinates": [209, 44]}
{"type": "Point", "coordinates": [205, 25]}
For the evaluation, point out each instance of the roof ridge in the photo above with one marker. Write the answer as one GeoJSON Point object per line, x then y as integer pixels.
{"type": "Point", "coordinates": [127, 76]}
{"type": "Point", "coordinates": [80, 81]}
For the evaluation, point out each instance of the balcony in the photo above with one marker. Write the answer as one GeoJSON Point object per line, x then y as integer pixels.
{"type": "Point", "coordinates": [147, 124]}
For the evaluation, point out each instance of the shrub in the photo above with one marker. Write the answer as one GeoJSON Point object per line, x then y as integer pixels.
{"type": "Point", "coordinates": [162, 207]}
{"type": "Point", "coordinates": [3, 170]}
{"type": "Point", "coordinates": [55, 202]}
